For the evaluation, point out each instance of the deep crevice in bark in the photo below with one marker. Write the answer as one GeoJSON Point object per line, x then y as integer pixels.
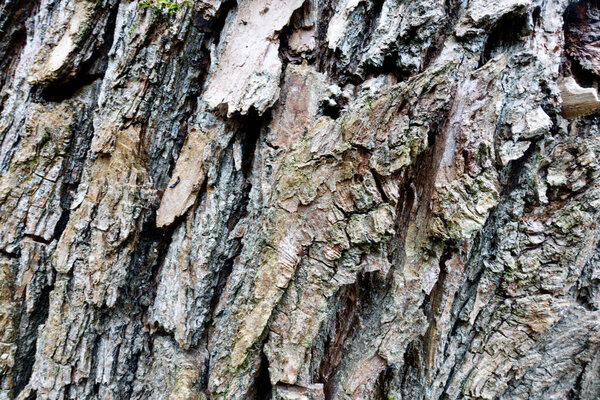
{"type": "Point", "coordinates": [507, 32]}
{"type": "Point", "coordinates": [385, 379]}
{"type": "Point", "coordinates": [324, 14]}
{"type": "Point", "coordinates": [90, 71]}
{"type": "Point", "coordinates": [263, 385]}
{"type": "Point", "coordinates": [410, 377]}
{"type": "Point", "coordinates": [13, 25]}
{"type": "Point", "coordinates": [340, 328]}
{"type": "Point", "coordinates": [61, 91]}
{"type": "Point", "coordinates": [217, 25]}
{"type": "Point", "coordinates": [146, 263]}
{"type": "Point", "coordinates": [581, 26]}
{"type": "Point", "coordinates": [285, 53]}
{"type": "Point", "coordinates": [27, 342]}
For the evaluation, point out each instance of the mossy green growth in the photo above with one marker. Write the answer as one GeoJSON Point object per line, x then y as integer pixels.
{"type": "Point", "coordinates": [30, 165]}
{"type": "Point", "coordinates": [163, 6]}
{"type": "Point", "coordinates": [482, 150]}
{"type": "Point", "coordinates": [44, 140]}
{"type": "Point", "coordinates": [568, 218]}
{"type": "Point", "coordinates": [83, 34]}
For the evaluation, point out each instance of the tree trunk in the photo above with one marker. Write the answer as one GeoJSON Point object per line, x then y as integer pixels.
{"type": "Point", "coordinates": [299, 199]}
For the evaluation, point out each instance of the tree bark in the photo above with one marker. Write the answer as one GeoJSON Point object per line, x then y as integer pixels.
{"type": "Point", "coordinates": [299, 199]}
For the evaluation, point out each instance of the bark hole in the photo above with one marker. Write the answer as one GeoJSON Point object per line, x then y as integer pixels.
{"type": "Point", "coordinates": [508, 32]}
{"type": "Point", "coordinates": [582, 33]}
{"type": "Point", "coordinates": [264, 388]}
{"type": "Point", "coordinates": [90, 70]}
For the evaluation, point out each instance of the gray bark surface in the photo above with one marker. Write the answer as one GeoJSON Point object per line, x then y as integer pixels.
{"type": "Point", "coordinates": [299, 199]}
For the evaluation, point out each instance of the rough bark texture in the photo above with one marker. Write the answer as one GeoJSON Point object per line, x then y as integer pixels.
{"type": "Point", "coordinates": [299, 199]}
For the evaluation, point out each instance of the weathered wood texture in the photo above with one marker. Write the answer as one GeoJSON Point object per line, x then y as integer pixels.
{"type": "Point", "coordinates": [299, 199]}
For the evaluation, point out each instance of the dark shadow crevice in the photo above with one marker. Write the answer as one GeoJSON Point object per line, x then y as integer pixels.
{"type": "Point", "coordinates": [87, 73]}
{"type": "Point", "coordinates": [507, 32]}
{"type": "Point", "coordinates": [13, 29]}
{"type": "Point", "coordinates": [582, 32]}
{"type": "Point", "coordinates": [262, 384]}
{"type": "Point", "coordinates": [27, 341]}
